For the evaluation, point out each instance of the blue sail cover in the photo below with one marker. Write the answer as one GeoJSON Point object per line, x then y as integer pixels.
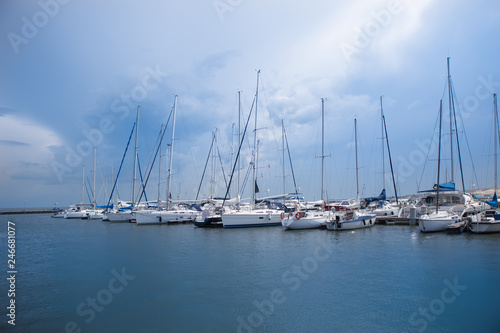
{"type": "Point", "coordinates": [380, 197]}
{"type": "Point", "coordinates": [446, 186]}
{"type": "Point", "coordinates": [494, 202]}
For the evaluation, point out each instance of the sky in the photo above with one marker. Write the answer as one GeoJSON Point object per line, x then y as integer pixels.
{"type": "Point", "coordinates": [75, 72]}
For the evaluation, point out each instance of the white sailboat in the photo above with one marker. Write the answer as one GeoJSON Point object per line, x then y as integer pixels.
{"type": "Point", "coordinates": [381, 206]}
{"type": "Point", "coordinates": [180, 213]}
{"type": "Point", "coordinates": [356, 219]}
{"type": "Point", "coordinates": [441, 219]}
{"type": "Point", "coordinates": [488, 221]}
{"type": "Point", "coordinates": [311, 219]}
{"type": "Point", "coordinates": [256, 216]}
{"type": "Point", "coordinates": [438, 220]}
{"type": "Point", "coordinates": [78, 211]}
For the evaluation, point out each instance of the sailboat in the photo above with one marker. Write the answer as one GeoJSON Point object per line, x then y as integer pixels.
{"type": "Point", "coordinates": [450, 205]}
{"type": "Point", "coordinates": [438, 220]}
{"type": "Point", "coordinates": [124, 214]}
{"type": "Point", "coordinates": [172, 213]}
{"type": "Point", "coordinates": [78, 211]}
{"type": "Point", "coordinates": [488, 221]}
{"type": "Point", "coordinates": [355, 219]}
{"type": "Point", "coordinates": [383, 207]}
{"type": "Point", "coordinates": [258, 215]}
{"type": "Point", "coordinates": [311, 219]}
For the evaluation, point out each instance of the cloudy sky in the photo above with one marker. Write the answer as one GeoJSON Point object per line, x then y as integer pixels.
{"type": "Point", "coordinates": [74, 72]}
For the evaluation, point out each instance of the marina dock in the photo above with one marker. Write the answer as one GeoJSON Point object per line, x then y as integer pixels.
{"type": "Point", "coordinates": [27, 211]}
{"type": "Point", "coordinates": [390, 220]}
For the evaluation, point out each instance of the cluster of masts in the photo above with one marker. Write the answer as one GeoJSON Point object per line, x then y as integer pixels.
{"type": "Point", "coordinates": [293, 212]}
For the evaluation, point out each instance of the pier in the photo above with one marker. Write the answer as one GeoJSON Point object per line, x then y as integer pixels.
{"type": "Point", "coordinates": [390, 220]}
{"type": "Point", "coordinates": [27, 211]}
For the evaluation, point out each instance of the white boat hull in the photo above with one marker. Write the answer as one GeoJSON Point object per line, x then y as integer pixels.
{"type": "Point", "coordinates": [76, 215]}
{"type": "Point", "coordinates": [257, 218]}
{"type": "Point", "coordinates": [485, 227]}
{"type": "Point", "coordinates": [436, 222]}
{"type": "Point", "coordinates": [363, 221]}
{"type": "Point", "coordinates": [118, 217]}
{"type": "Point", "coordinates": [310, 221]}
{"type": "Point", "coordinates": [162, 217]}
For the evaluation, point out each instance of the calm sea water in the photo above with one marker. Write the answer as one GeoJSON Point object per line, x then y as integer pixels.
{"type": "Point", "coordinates": [93, 276]}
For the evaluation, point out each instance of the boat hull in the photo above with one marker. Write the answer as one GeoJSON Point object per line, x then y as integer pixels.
{"type": "Point", "coordinates": [118, 217]}
{"type": "Point", "coordinates": [485, 227]}
{"type": "Point", "coordinates": [260, 218]}
{"type": "Point", "coordinates": [163, 217]}
{"type": "Point", "coordinates": [76, 215]}
{"type": "Point", "coordinates": [363, 221]}
{"type": "Point", "coordinates": [294, 224]}
{"type": "Point", "coordinates": [437, 222]}
{"type": "Point", "coordinates": [310, 221]}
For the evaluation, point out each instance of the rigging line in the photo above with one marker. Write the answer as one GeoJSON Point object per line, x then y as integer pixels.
{"type": "Point", "coordinates": [121, 164]}
{"type": "Point", "coordinates": [390, 159]}
{"type": "Point", "coordinates": [273, 129]}
{"type": "Point", "coordinates": [158, 138]}
{"type": "Point", "coordinates": [466, 140]}
{"type": "Point", "coordinates": [290, 159]}
{"type": "Point", "coordinates": [142, 182]}
{"type": "Point", "coordinates": [458, 142]}
{"type": "Point", "coordinates": [188, 135]}
{"type": "Point", "coordinates": [238, 154]}
{"type": "Point", "coordinates": [151, 169]}
{"type": "Point", "coordinates": [245, 179]}
{"type": "Point", "coordinates": [428, 151]}
{"type": "Point", "coordinates": [158, 146]}
{"type": "Point", "coordinates": [222, 166]}
{"type": "Point", "coordinates": [89, 193]}
{"type": "Point", "coordinates": [205, 169]}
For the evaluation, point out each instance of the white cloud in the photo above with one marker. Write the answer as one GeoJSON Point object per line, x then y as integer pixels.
{"type": "Point", "coordinates": [25, 148]}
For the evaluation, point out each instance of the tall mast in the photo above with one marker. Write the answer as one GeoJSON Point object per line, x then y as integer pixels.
{"type": "Point", "coordinates": [283, 149]}
{"type": "Point", "coordinates": [383, 145]}
{"type": "Point", "coordinates": [83, 180]}
{"type": "Point", "coordinates": [93, 203]}
{"type": "Point", "coordinates": [450, 105]}
{"type": "Point", "coordinates": [169, 176]}
{"type": "Point", "coordinates": [254, 197]}
{"type": "Point", "coordinates": [496, 136]}
{"type": "Point", "coordinates": [159, 166]}
{"type": "Point", "coordinates": [214, 155]}
{"type": "Point", "coordinates": [439, 153]}
{"type": "Point", "coordinates": [356, 152]}
{"type": "Point", "coordinates": [322, 148]}
{"type": "Point", "coordinates": [135, 155]}
{"type": "Point", "coordinates": [390, 159]}
{"type": "Point", "coordinates": [239, 141]}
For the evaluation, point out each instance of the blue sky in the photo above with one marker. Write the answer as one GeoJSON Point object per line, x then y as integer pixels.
{"type": "Point", "coordinates": [73, 73]}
